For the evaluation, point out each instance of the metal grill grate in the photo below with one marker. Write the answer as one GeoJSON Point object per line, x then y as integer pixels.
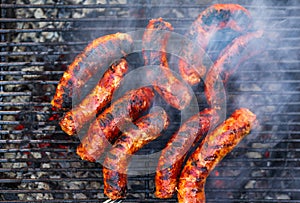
{"type": "Point", "coordinates": [38, 161]}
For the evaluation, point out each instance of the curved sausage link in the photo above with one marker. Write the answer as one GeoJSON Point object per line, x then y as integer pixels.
{"type": "Point", "coordinates": [171, 160]}
{"type": "Point", "coordinates": [227, 62]}
{"type": "Point", "coordinates": [174, 91]}
{"type": "Point", "coordinates": [211, 151]}
{"type": "Point", "coordinates": [94, 60]}
{"type": "Point", "coordinates": [105, 128]}
{"type": "Point", "coordinates": [211, 20]}
{"type": "Point", "coordinates": [169, 87]}
{"type": "Point", "coordinates": [117, 159]}
{"type": "Point", "coordinates": [96, 100]}
{"type": "Point", "coordinates": [156, 37]}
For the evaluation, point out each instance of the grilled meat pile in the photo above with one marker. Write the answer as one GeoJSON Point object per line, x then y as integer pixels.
{"type": "Point", "coordinates": [118, 128]}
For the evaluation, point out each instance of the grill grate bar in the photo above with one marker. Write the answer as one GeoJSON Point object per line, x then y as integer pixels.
{"type": "Point", "coordinates": [22, 141]}
{"type": "Point", "coordinates": [130, 200]}
{"type": "Point", "coordinates": [29, 44]}
{"type": "Point", "coordinates": [34, 132]}
{"type": "Point", "coordinates": [16, 82]}
{"type": "Point", "coordinates": [263, 190]}
{"type": "Point", "coordinates": [24, 104]}
{"type": "Point", "coordinates": [49, 191]}
{"type": "Point", "coordinates": [224, 178]}
{"type": "Point", "coordinates": [33, 149]}
{"type": "Point", "coordinates": [270, 122]}
{"type": "Point", "coordinates": [59, 141]}
{"type": "Point", "coordinates": [48, 112]}
{"type": "Point", "coordinates": [45, 82]}
{"type": "Point", "coordinates": [9, 94]}
{"type": "Point", "coordinates": [139, 20]}
{"type": "Point", "coordinates": [236, 160]}
{"type": "Point", "coordinates": [221, 168]}
{"type": "Point", "coordinates": [53, 53]}
{"type": "Point", "coordinates": [57, 200]}
{"type": "Point", "coordinates": [98, 170]}
{"type": "Point", "coordinates": [22, 64]}
{"type": "Point", "coordinates": [45, 73]}
{"type": "Point", "coordinates": [31, 63]}
{"type": "Point", "coordinates": [40, 104]}
{"type": "Point", "coordinates": [17, 112]}
{"type": "Point", "coordinates": [29, 53]}
{"type": "Point", "coordinates": [248, 4]}
{"type": "Point", "coordinates": [112, 29]}
{"type": "Point", "coordinates": [286, 39]}
{"type": "Point", "coordinates": [47, 131]}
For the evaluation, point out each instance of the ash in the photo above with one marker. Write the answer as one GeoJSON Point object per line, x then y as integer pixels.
{"type": "Point", "coordinates": [38, 162]}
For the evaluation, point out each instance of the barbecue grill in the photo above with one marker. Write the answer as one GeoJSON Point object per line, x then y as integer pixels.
{"type": "Point", "coordinates": [38, 161]}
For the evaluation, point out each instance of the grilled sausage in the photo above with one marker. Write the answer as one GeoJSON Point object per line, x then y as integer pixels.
{"type": "Point", "coordinates": [105, 128]}
{"type": "Point", "coordinates": [211, 151]}
{"type": "Point", "coordinates": [229, 58]}
{"type": "Point", "coordinates": [94, 60]}
{"type": "Point", "coordinates": [171, 159]}
{"type": "Point", "coordinates": [95, 101]}
{"type": "Point", "coordinates": [147, 128]}
{"type": "Point", "coordinates": [156, 38]}
{"type": "Point", "coordinates": [174, 91]}
{"type": "Point", "coordinates": [212, 19]}
{"type": "Point", "coordinates": [169, 87]}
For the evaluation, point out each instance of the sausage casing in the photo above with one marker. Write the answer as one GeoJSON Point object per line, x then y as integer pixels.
{"type": "Point", "coordinates": [171, 159]}
{"type": "Point", "coordinates": [211, 151]}
{"type": "Point", "coordinates": [228, 59]}
{"type": "Point", "coordinates": [106, 127]}
{"type": "Point", "coordinates": [147, 128]}
{"type": "Point", "coordinates": [92, 62]}
{"type": "Point", "coordinates": [156, 37]}
{"type": "Point", "coordinates": [212, 19]}
{"type": "Point", "coordinates": [174, 91]}
{"type": "Point", "coordinates": [96, 100]}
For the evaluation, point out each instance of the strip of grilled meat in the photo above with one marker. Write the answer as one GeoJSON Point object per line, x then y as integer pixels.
{"type": "Point", "coordinates": [155, 39]}
{"type": "Point", "coordinates": [211, 20]}
{"type": "Point", "coordinates": [115, 166]}
{"type": "Point", "coordinates": [172, 157]}
{"type": "Point", "coordinates": [228, 61]}
{"type": "Point", "coordinates": [105, 129]}
{"type": "Point", "coordinates": [96, 100]}
{"type": "Point", "coordinates": [211, 151]}
{"type": "Point", "coordinates": [92, 62]}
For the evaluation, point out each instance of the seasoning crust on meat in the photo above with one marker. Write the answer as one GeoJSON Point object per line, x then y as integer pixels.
{"type": "Point", "coordinates": [174, 91]}
{"type": "Point", "coordinates": [171, 159]}
{"type": "Point", "coordinates": [96, 100]}
{"type": "Point", "coordinates": [214, 92]}
{"type": "Point", "coordinates": [94, 60]}
{"type": "Point", "coordinates": [147, 128]}
{"type": "Point", "coordinates": [212, 19]}
{"type": "Point", "coordinates": [105, 129]}
{"type": "Point", "coordinates": [215, 146]}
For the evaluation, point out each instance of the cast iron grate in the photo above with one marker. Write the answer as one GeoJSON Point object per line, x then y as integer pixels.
{"type": "Point", "coordinates": [38, 161]}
